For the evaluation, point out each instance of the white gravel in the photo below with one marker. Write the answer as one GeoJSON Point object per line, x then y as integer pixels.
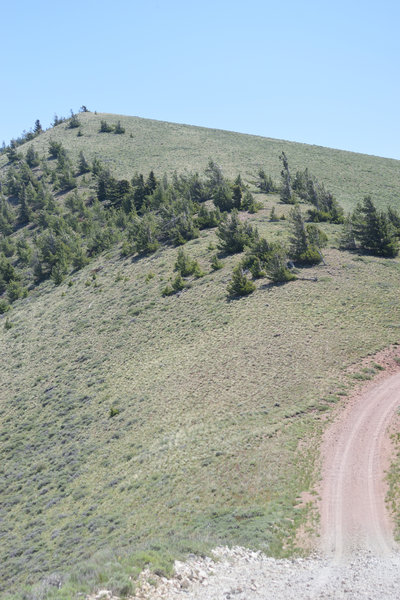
{"type": "Point", "coordinates": [240, 574]}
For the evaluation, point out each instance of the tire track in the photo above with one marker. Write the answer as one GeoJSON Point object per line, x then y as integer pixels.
{"type": "Point", "coordinates": [355, 454]}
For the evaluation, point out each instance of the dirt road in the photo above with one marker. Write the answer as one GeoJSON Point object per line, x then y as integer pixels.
{"type": "Point", "coordinates": [355, 456]}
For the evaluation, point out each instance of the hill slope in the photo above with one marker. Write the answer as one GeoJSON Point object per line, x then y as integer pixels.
{"type": "Point", "coordinates": [139, 427]}
{"type": "Point", "coordinates": [166, 147]}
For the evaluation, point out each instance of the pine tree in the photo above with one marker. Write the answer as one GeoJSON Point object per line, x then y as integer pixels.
{"type": "Point", "coordinates": [118, 128]}
{"type": "Point", "coordinates": [83, 165]}
{"type": "Point", "coordinates": [347, 241]}
{"type": "Point", "coordinates": [286, 192]}
{"type": "Point", "coordinates": [240, 285]}
{"type": "Point", "coordinates": [298, 239]}
{"type": "Point", "coordinates": [302, 250]}
{"type": "Point", "coordinates": [235, 235]}
{"type": "Point", "coordinates": [32, 157]}
{"type": "Point", "coordinates": [373, 230]}
{"type": "Point", "coordinates": [276, 266]}
{"type": "Point", "coordinates": [37, 128]}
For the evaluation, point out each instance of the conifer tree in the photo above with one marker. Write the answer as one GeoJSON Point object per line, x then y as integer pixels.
{"type": "Point", "coordinates": [240, 285]}
{"type": "Point", "coordinates": [286, 192]}
{"type": "Point", "coordinates": [373, 230]}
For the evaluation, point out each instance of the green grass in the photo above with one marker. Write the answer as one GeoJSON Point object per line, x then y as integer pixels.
{"type": "Point", "coordinates": [166, 147]}
{"type": "Point", "coordinates": [138, 423]}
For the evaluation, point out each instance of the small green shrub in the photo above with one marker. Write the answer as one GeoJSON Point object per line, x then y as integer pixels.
{"type": "Point", "coordinates": [4, 306]}
{"type": "Point", "coordinates": [119, 129]}
{"type": "Point", "coordinates": [240, 285]}
{"type": "Point", "coordinates": [216, 263]}
{"type": "Point", "coordinates": [311, 256]}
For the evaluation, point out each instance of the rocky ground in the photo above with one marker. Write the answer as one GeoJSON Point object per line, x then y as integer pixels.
{"type": "Point", "coordinates": [240, 574]}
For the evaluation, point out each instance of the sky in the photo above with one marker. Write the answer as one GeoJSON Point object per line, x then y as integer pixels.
{"type": "Point", "coordinates": [321, 72]}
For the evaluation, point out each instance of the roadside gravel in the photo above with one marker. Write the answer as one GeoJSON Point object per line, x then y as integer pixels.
{"type": "Point", "coordinates": [240, 574]}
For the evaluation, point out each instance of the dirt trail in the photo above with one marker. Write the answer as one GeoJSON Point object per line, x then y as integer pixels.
{"type": "Point", "coordinates": [355, 455]}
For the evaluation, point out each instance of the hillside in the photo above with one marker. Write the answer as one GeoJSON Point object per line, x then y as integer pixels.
{"type": "Point", "coordinates": [137, 427]}
{"type": "Point", "coordinates": [169, 147]}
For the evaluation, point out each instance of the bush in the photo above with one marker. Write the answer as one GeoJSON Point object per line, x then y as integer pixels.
{"type": "Point", "coordinates": [208, 218]}
{"type": "Point", "coordinates": [177, 285]}
{"type": "Point", "coordinates": [105, 127]}
{"type": "Point", "coordinates": [16, 290]}
{"type": "Point", "coordinates": [235, 235]}
{"type": "Point", "coordinates": [118, 128]}
{"type": "Point", "coordinates": [240, 285]}
{"type": "Point", "coordinates": [4, 306]}
{"type": "Point", "coordinates": [216, 264]}
{"type": "Point", "coordinates": [311, 256]}
{"type": "Point", "coordinates": [74, 122]}
{"type": "Point", "coordinates": [186, 265]}
{"type": "Point", "coordinates": [276, 267]}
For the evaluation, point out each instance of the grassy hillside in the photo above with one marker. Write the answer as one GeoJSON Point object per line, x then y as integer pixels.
{"type": "Point", "coordinates": [166, 147]}
{"type": "Point", "coordinates": [135, 427]}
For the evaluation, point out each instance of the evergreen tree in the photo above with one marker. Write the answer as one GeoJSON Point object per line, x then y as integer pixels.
{"type": "Point", "coordinates": [276, 266]}
{"type": "Point", "coordinates": [118, 128]}
{"type": "Point", "coordinates": [236, 197]}
{"type": "Point", "coordinates": [214, 177]}
{"type": "Point", "coordinates": [74, 122]}
{"type": "Point", "coordinates": [37, 128]}
{"type": "Point", "coordinates": [298, 239]}
{"type": "Point", "coordinates": [286, 192]}
{"type": "Point", "coordinates": [25, 212]}
{"type": "Point", "coordinates": [222, 198]}
{"type": "Point", "coordinates": [373, 230]}
{"type": "Point", "coordinates": [32, 157]}
{"type": "Point", "coordinates": [83, 165]}
{"type": "Point", "coordinates": [240, 285]}
{"type": "Point", "coordinates": [301, 248]}
{"type": "Point", "coordinates": [264, 183]}
{"type": "Point", "coordinates": [235, 235]}
{"type": "Point", "coordinates": [347, 240]}
{"type": "Point", "coordinates": [105, 127]}
{"type": "Point", "coordinates": [151, 183]}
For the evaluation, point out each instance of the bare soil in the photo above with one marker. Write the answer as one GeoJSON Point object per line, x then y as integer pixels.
{"type": "Point", "coordinates": [356, 453]}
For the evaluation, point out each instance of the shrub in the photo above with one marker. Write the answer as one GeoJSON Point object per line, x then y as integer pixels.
{"type": "Point", "coordinates": [207, 218]}
{"type": "Point", "coordinates": [74, 122]}
{"type": "Point", "coordinates": [235, 235]}
{"type": "Point", "coordinates": [273, 217]}
{"type": "Point", "coordinates": [310, 256]}
{"type": "Point", "coordinates": [276, 266]}
{"type": "Point", "coordinates": [177, 285]}
{"type": "Point", "coordinates": [118, 128]}
{"type": "Point", "coordinates": [186, 265]}
{"type": "Point", "coordinates": [105, 127]}
{"type": "Point", "coordinates": [216, 263]}
{"type": "Point", "coordinates": [240, 285]}
{"type": "Point", "coordinates": [16, 290]}
{"type": "Point", "coordinates": [4, 306]}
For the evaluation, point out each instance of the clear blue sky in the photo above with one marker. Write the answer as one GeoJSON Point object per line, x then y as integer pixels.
{"type": "Point", "coordinates": [320, 72]}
